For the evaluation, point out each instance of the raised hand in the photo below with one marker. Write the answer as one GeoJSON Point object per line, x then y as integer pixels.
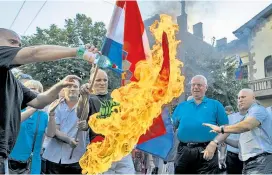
{"type": "Point", "coordinates": [85, 89]}
{"type": "Point", "coordinates": [90, 53]}
{"type": "Point", "coordinates": [214, 128]}
{"type": "Point", "coordinates": [69, 80]}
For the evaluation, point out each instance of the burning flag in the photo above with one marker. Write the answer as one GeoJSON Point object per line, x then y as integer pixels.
{"type": "Point", "coordinates": [155, 82]}
{"type": "Point", "coordinates": [126, 44]}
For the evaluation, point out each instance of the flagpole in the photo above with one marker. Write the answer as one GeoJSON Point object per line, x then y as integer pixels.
{"type": "Point", "coordinates": [93, 73]}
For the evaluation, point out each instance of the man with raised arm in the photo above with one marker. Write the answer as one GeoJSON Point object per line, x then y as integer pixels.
{"type": "Point", "coordinates": [14, 96]}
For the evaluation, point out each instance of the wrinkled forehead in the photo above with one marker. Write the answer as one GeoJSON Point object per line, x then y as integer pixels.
{"type": "Point", "coordinates": [244, 94]}
{"type": "Point", "coordinates": [101, 75]}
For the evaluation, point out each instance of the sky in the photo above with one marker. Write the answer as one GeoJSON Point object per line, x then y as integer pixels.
{"type": "Point", "coordinates": [220, 18]}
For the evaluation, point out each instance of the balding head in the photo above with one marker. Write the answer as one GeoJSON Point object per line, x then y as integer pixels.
{"type": "Point", "coordinates": [9, 38]}
{"type": "Point", "coordinates": [246, 98]}
{"type": "Point", "coordinates": [101, 83]}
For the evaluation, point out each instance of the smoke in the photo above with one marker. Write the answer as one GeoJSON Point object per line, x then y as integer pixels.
{"type": "Point", "coordinates": [197, 11]}
{"type": "Point", "coordinates": [171, 8]}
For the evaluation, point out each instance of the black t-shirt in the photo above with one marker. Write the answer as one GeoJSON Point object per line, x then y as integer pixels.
{"type": "Point", "coordinates": [94, 107]}
{"type": "Point", "coordinates": [13, 97]}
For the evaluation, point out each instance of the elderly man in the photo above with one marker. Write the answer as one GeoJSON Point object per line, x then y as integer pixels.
{"type": "Point", "coordinates": [255, 142]}
{"type": "Point", "coordinates": [124, 166]}
{"type": "Point", "coordinates": [197, 144]}
{"type": "Point", "coordinates": [57, 152]}
{"type": "Point", "coordinates": [13, 95]}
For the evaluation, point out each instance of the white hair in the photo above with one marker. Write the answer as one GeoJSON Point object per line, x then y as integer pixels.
{"type": "Point", "coordinates": [250, 91]}
{"type": "Point", "coordinates": [201, 77]}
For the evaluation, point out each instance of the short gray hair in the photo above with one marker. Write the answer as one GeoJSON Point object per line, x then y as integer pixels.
{"type": "Point", "coordinates": [201, 77]}
{"type": "Point", "coordinates": [250, 91]}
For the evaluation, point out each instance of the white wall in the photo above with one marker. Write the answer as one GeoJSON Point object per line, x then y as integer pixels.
{"type": "Point", "coordinates": [261, 46]}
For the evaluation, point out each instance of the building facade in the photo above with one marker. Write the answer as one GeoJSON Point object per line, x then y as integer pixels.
{"type": "Point", "coordinates": [254, 46]}
{"type": "Point", "coordinates": [191, 48]}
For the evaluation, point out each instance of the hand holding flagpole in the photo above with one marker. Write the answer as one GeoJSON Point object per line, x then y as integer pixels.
{"type": "Point", "coordinates": [98, 61]}
{"type": "Point", "coordinates": [83, 112]}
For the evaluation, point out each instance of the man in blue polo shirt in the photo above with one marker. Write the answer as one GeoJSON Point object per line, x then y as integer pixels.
{"type": "Point", "coordinates": [255, 142]}
{"type": "Point", "coordinates": [197, 148]}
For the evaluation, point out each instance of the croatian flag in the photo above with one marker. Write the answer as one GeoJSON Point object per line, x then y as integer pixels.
{"type": "Point", "coordinates": [126, 44]}
{"type": "Point", "coordinates": [239, 70]}
{"type": "Point", "coordinates": [126, 40]}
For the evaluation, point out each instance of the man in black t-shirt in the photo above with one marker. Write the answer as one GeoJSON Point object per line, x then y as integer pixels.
{"type": "Point", "coordinates": [13, 95]}
{"type": "Point", "coordinates": [100, 95]}
{"type": "Point", "coordinates": [125, 165]}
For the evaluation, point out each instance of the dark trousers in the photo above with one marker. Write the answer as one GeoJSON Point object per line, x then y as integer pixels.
{"type": "Point", "coordinates": [43, 166]}
{"type": "Point", "coordinates": [234, 164]}
{"type": "Point", "coordinates": [190, 160]}
{"type": "Point", "coordinates": [2, 165]}
{"type": "Point", "coordinates": [260, 164]}
{"type": "Point", "coordinates": [58, 168]}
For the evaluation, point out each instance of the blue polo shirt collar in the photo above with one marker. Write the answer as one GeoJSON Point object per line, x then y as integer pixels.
{"type": "Point", "coordinates": [204, 100]}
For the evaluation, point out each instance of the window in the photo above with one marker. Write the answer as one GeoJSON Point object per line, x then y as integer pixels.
{"type": "Point", "coordinates": [268, 66]}
{"type": "Point", "coordinates": [245, 71]}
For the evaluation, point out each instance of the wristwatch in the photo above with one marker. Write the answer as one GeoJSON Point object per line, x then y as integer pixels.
{"type": "Point", "coordinates": [222, 129]}
{"type": "Point", "coordinates": [216, 141]}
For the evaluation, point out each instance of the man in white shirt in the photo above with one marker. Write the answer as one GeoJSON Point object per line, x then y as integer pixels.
{"type": "Point", "coordinates": [234, 164]}
{"type": "Point", "coordinates": [57, 153]}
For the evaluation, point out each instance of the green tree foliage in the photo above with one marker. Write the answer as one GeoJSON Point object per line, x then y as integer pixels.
{"type": "Point", "coordinates": [80, 28]}
{"type": "Point", "coordinates": [220, 73]}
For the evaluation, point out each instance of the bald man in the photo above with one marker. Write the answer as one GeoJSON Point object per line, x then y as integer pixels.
{"type": "Point", "coordinates": [100, 87]}
{"type": "Point", "coordinates": [255, 142]}
{"type": "Point", "coordinates": [99, 95]}
{"type": "Point", "coordinates": [13, 95]}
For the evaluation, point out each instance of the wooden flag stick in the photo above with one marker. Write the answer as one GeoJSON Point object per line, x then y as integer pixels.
{"type": "Point", "coordinates": [83, 115]}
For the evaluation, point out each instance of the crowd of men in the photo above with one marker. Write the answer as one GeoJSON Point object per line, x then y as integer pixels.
{"type": "Point", "coordinates": [41, 131]}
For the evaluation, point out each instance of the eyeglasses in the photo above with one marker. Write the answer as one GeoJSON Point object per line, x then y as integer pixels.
{"type": "Point", "coordinates": [197, 84]}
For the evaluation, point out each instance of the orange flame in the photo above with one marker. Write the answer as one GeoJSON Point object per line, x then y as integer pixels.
{"type": "Point", "coordinates": [140, 102]}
